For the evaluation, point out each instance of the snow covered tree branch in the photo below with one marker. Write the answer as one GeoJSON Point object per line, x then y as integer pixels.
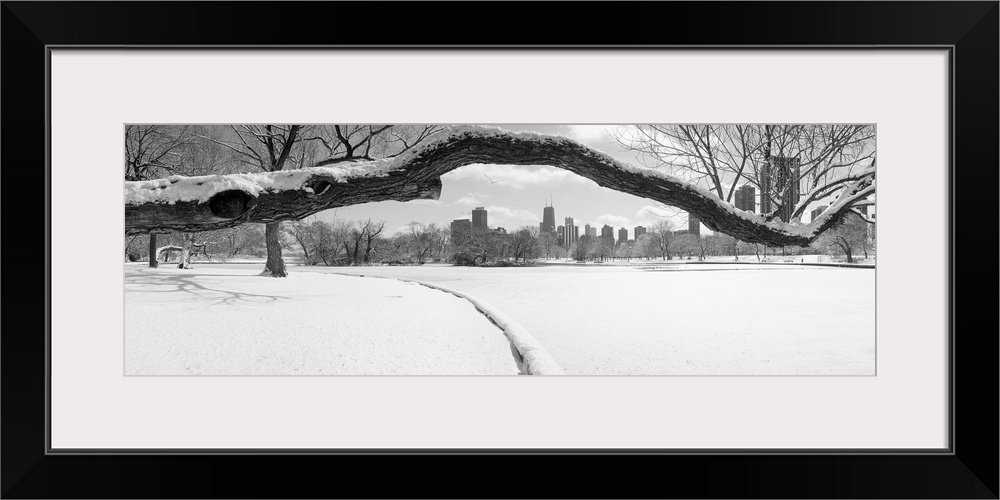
{"type": "Point", "coordinates": [213, 202]}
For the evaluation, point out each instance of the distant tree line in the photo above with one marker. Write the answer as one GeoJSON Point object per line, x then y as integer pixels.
{"type": "Point", "coordinates": [363, 242]}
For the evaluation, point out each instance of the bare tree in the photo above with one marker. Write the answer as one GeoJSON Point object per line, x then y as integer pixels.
{"type": "Point", "coordinates": [663, 230]}
{"type": "Point", "coordinates": [421, 239]}
{"type": "Point", "coordinates": [719, 158]}
{"type": "Point", "coordinates": [266, 148]}
{"type": "Point", "coordinates": [153, 151]}
{"type": "Point", "coordinates": [305, 235]}
{"type": "Point", "coordinates": [849, 236]}
{"type": "Point", "coordinates": [345, 143]}
{"type": "Point", "coordinates": [371, 232]}
{"type": "Point", "coordinates": [524, 243]}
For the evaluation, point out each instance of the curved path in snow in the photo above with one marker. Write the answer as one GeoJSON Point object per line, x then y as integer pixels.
{"type": "Point", "coordinates": [530, 356]}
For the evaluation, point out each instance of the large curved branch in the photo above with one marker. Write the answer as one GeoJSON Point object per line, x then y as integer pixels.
{"type": "Point", "coordinates": [214, 202]}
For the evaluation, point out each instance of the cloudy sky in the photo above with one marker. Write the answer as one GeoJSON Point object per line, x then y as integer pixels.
{"type": "Point", "coordinates": [514, 196]}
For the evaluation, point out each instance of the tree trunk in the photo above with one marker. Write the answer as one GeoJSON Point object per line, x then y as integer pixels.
{"type": "Point", "coordinates": [186, 251]}
{"type": "Point", "coordinates": [275, 266]}
{"type": "Point", "coordinates": [152, 251]}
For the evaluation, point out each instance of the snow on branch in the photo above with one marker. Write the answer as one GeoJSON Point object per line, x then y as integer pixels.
{"type": "Point", "coordinates": [217, 201]}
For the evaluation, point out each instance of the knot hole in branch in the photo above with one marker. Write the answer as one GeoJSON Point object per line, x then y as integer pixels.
{"type": "Point", "coordinates": [319, 186]}
{"type": "Point", "coordinates": [229, 204]}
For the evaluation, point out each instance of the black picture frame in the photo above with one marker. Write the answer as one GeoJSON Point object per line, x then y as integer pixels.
{"type": "Point", "coordinates": [969, 30]}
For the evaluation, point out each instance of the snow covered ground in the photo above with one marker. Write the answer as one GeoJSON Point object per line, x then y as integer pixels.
{"type": "Point", "coordinates": [223, 319]}
{"type": "Point", "coordinates": [677, 318]}
{"type": "Point", "coordinates": [655, 318]}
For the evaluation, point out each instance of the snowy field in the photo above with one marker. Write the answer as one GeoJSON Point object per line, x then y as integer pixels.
{"type": "Point", "coordinates": [654, 318]}
{"type": "Point", "coordinates": [220, 319]}
{"type": "Point", "coordinates": [678, 318]}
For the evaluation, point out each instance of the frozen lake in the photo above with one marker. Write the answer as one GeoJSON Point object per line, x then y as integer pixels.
{"type": "Point", "coordinates": [677, 319]}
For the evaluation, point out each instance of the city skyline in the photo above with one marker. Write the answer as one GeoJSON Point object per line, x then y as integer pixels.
{"type": "Point", "coordinates": [464, 226]}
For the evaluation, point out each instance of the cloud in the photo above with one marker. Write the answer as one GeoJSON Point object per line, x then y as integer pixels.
{"type": "Point", "coordinates": [657, 211]}
{"type": "Point", "coordinates": [588, 133]}
{"type": "Point", "coordinates": [437, 203]}
{"type": "Point", "coordinates": [514, 176]}
{"type": "Point", "coordinates": [469, 200]}
{"type": "Point", "coordinates": [613, 220]}
{"type": "Point", "coordinates": [507, 214]}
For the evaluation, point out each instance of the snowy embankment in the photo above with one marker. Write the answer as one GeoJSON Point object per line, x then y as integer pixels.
{"type": "Point", "coordinates": [225, 320]}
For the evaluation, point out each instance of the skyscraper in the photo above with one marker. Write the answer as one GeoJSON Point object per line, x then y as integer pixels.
{"type": "Point", "coordinates": [784, 172]}
{"type": "Point", "coordinates": [787, 181]}
{"type": "Point", "coordinates": [548, 219]}
{"type": "Point", "coordinates": [587, 230]}
{"type": "Point", "coordinates": [622, 235]}
{"type": "Point", "coordinates": [608, 234]}
{"type": "Point", "coordinates": [572, 232]}
{"type": "Point", "coordinates": [745, 198]}
{"type": "Point", "coordinates": [638, 231]}
{"type": "Point", "coordinates": [561, 235]}
{"type": "Point", "coordinates": [694, 224]}
{"type": "Point", "coordinates": [479, 218]}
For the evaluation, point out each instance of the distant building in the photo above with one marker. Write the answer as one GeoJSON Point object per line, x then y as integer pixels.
{"type": "Point", "coordinates": [499, 230]}
{"type": "Point", "coordinates": [608, 234]}
{"type": "Point", "coordinates": [548, 224]}
{"type": "Point", "coordinates": [746, 198]}
{"type": "Point", "coordinates": [588, 230]}
{"type": "Point", "coordinates": [572, 232]}
{"type": "Point", "coordinates": [622, 236]}
{"type": "Point", "coordinates": [460, 228]}
{"type": "Point", "coordinates": [638, 231]}
{"type": "Point", "coordinates": [816, 213]}
{"type": "Point", "coordinates": [479, 218]}
{"type": "Point", "coordinates": [779, 181]}
{"type": "Point", "coordinates": [561, 236]}
{"type": "Point", "coordinates": [694, 224]}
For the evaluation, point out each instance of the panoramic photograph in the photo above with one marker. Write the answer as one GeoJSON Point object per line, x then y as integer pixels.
{"type": "Point", "coordinates": [500, 249]}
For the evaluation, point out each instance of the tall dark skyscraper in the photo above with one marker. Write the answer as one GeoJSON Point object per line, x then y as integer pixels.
{"type": "Point", "coordinates": [779, 181]}
{"type": "Point", "coordinates": [548, 219]}
{"type": "Point", "coordinates": [694, 224]}
{"type": "Point", "coordinates": [622, 235]}
{"type": "Point", "coordinates": [787, 181]}
{"type": "Point", "coordinates": [479, 218]}
{"type": "Point", "coordinates": [638, 231]}
{"type": "Point", "coordinates": [745, 198]}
